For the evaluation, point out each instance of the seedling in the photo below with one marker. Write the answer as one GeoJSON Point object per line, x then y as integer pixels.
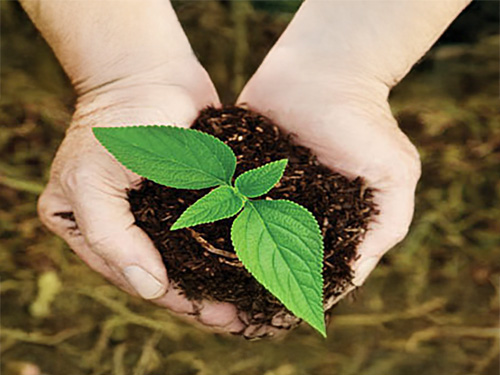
{"type": "Point", "coordinates": [278, 241]}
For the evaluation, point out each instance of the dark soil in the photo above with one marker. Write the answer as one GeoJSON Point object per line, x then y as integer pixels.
{"type": "Point", "coordinates": [201, 260]}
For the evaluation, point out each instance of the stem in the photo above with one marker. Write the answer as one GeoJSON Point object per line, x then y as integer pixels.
{"type": "Point", "coordinates": [209, 247]}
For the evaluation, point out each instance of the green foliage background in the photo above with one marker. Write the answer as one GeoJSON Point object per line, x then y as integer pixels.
{"type": "Point", "coordinates": [431, 307]}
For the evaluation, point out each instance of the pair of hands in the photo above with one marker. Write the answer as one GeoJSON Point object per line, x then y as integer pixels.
{"type": "Point", "coordinates": [342, 115]}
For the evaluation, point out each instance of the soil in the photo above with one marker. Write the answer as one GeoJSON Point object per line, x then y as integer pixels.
{"type": "Point", "coordinates": [201, 260]}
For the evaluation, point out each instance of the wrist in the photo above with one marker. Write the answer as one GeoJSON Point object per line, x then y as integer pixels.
{"type": "Point", "coordinates": [100, 42]}
{"type": "Point", "coordinates": [325, 79]}
{"type": "Point", "coordinates": [165, 96]}
{"type": "Point", "coordinates": [304, 87]}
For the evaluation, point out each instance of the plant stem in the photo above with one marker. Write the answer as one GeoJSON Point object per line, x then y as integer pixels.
{"type": "Point", "coordinates": [209, 247]}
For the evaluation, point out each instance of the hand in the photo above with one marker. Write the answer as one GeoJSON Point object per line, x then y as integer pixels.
{"type": "Point", "coordinates": [327, 81]}
{"type": "Point", "coordinates": [89, 184]}
{"type": "Point", "coordinates": [129, 64]}
{"type": "Point", "coordinates": [347, 123]}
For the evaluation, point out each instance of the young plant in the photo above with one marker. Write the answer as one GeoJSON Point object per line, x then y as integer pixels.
{"type": "Point", "coordinates": [278, 241]}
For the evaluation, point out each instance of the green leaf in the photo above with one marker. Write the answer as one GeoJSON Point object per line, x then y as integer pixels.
{"type": "Point", "coordinates": [259, 181]}
{"type": "Point", "coordinates": [171, 156]}
{"type": "Point", "coordinates": [280, 244]}
{"type": "Point", "coordinates": [219, 204]}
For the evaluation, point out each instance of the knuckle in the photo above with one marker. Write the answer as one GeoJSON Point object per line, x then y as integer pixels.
{"type": "Point", "coordinates": [256, 332]}
{"type": "Point", "coordinates": [98, 241]}
{"type": "Point", "coordinates": [103, 242]}
{"type": "Point", "coordinates": [51, 217]}
{"type": "Point", "coordinates": [74, 178]}
{"type": "Point", "coordinates": [44, 207]}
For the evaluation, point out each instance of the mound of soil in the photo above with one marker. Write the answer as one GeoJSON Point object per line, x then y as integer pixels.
{"type": "Point", "coordinates": [201, 260]}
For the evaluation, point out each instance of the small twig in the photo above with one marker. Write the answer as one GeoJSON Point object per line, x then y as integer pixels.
{"type": "Point", "coordinates": [324, 226]}
{"type": "Point", "coordinates": [95, 355]}
{"type": "Point", "coordinates": [10, 177]}
{"type": "Point", "coordinates": [209, 247]}
{"type": "Point", "coordinates": [7, 285]}
{"type": "Point", "coordinates": [22, 185]}
{"type": "Point", "coordinates": [118, 357]}
{"type": "Point", "coordinates": [168, 327]}
{"type": "Point", "coordinates": [377, 319]}
{"type": "Point", "coordinates": [328, 264]}
{"type": "Point", "coordinates": [449, 331]}
{"type": "Point", "coordinates": [485, 362]}
{"type": "Point", "coordinates": [234, 264]}
{"type": "Point", "coordinates": [40, 338]}
{"type": "Point", "coordinates": [148, 353]}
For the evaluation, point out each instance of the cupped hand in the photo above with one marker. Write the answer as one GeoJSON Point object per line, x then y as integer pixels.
{"type": "Point", "coordinates": [346, 121]}
{"type": "Point", "coordinates": [89, 185]}
{"type": "Point", "coordinates": [327, 80]}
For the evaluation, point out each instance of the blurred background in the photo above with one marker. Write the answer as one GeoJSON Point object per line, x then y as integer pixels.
{"type": "Point", "coordinates": [431, 307]}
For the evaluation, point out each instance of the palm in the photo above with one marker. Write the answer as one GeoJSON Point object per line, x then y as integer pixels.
{"type": "Point", "coordinates": [90, 185]}
{"type": "Point", "coordinates": [354, 136]}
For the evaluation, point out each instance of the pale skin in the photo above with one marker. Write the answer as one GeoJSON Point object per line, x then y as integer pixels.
{"type": "Point", "coordinates": [327, 79]}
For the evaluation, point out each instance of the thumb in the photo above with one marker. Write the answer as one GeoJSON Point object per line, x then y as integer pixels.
{"type": "Point", "coordinates": [103, 215]}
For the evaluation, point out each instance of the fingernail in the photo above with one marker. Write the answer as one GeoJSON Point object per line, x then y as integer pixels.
{"type": "Point", "coordinates": [143, 282]}
{"type": "Point", "coordinates": [363, 270]}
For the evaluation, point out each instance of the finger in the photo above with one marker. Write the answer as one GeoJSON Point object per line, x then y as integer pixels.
{"type": "Point", "coordinates": [55, 212]}
{"type": "Point", "coordinates": [215, 314]}
{"type": "Point", "coordinates": [103, 215]}
{"type": "Point", "coordinates": [221, 315]}
{"type": "Point", "coordinates": [175, 301]}
{"type": "Point", "coordinates": [96, 263]}
{"type": "Point", "coordinates": [54, 209]}
{"type": "Point", "coordinates": [51, 204]}
{"type": "Point", "coordinates": [285, 320]}
{"type": "Point", "coordinates": [260, 331]}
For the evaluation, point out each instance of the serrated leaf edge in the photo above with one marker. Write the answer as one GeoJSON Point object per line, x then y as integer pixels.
{"type": "Point", "coordinates": [261, 167]}
{"type": "Point", "coordinates": [173, 228]}
{"type": "Point", "coordinates": [322, 331]}
{"type": "Point", "coordinates": [119, 159]}
{"type": "Point", "coordinates": [321, 250]}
